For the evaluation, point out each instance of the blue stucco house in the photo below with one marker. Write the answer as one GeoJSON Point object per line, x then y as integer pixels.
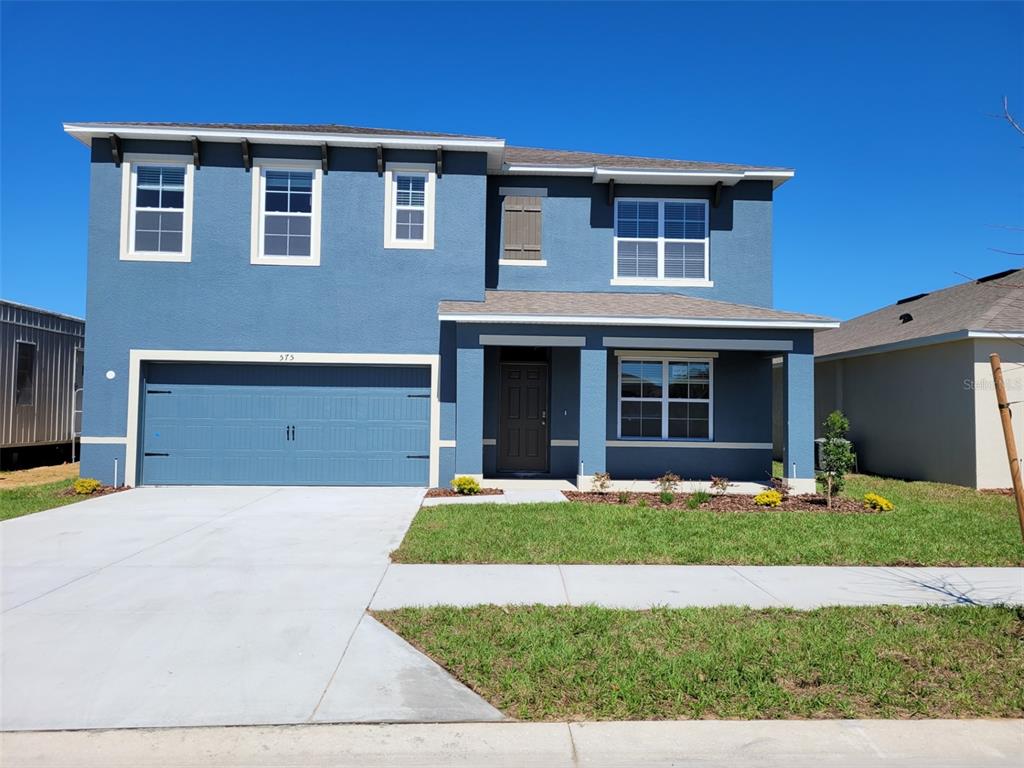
{"type": "Point", "coordinates": [323, 304]}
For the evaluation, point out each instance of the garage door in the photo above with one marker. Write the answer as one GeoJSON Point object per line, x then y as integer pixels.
{"type": "Point", "coordinates": [206, 424]}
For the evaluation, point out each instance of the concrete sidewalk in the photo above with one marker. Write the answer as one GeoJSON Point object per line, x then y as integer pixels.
{"type": "Point", "coordinates": [725, 744]}
{"type": "Point", "coordinates": [644, 586]}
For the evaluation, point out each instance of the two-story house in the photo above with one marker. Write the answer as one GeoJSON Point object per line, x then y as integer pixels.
{"type": "Point", "coordinates": [322, 304]}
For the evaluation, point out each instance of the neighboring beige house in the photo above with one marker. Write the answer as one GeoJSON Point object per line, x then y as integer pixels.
{"type": "Point", "coordinates": [914, 380]}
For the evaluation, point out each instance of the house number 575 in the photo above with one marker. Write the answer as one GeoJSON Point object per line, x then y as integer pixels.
{"type": "Point", "coordinates": [286, 357]}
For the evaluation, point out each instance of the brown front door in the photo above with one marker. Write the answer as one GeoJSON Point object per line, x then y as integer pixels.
{"type": "Point", "coordinates": [523, 421]}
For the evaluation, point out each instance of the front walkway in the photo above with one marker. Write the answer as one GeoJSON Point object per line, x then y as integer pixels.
{"type": "Point", "coordinates": [708, 744]}
{"type": "Point", "coordinates": [212, 606]}
{"type": "Point", "coordinates": [678, 586]}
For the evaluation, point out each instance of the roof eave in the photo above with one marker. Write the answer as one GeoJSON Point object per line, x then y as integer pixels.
{"type": "Point", "coordinates": [920, 341]}
{"type": "Point", "coordinates": [604, 174]}
{"type": "Point", "coordinates": [680, 322]}
{"type": "Point", "coordinates": [86, 133]}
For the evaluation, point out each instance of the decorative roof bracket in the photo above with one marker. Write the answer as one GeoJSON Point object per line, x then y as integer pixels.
{"type": "Point", "coordinates": [380, 159]}
{"type": "Point", "coordinates": [611, 191]}
{"type": "Point", "coordinates": [246, 155]}
{"type": "Point", "coordinates": [195, 152]}
{"type": "Point", "coordinates": [438, 163]}
{"type": "Point", "coordinates": [115, 149]}
{"type": "Point", "coordinates": [323, 157]}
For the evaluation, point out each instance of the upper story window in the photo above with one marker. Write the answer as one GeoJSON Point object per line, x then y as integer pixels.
{"type": "Point", "coordinates": [669, 398]}
{"type": "Point", "coordinates": [661, 242]}
{"type": "Point", "coordinates": [409, 206]}
{"type": "Point", "coordinates": [521, 225]}
{"type": "Point", "coordinates": [156, 209]}
{"type": "Point", "coordinates": [286, 213]}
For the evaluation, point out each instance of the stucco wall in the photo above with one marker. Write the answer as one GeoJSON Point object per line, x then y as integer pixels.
{"type": "Point", "coordinates": [993, 469]}
{"type": "Point", "coordinates": [911, 415]}
{"type": "Point", "coordinates": [577, 238]}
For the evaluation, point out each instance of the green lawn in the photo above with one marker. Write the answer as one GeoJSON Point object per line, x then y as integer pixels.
{"type": "Point", "coordinates": [932, 524]}
{"type": "Point", "coordinates": [15, 502]}
{"type": "Point", "coordinates": [540, 663]}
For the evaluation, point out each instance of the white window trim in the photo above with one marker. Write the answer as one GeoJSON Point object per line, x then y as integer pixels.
{"type": "Point", "coordinates": [664, 360]}
{"type": "Point", "coordinates": [522, 262]}
{"type": "Point", "coordinates": [128, 168]}
{"type": "Point", "coordinates": [692, 282]}
{"type": "Point", "coordinates": [390, 241]}
{"type": "Point", "coordinates": [259, 165]}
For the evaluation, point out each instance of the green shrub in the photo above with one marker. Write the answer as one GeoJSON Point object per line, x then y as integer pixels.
{"type": "Point", "coordinates": [836, 454]}
{"type": "Point", "coordinates": [878, 503]}
{"type": "Point", "coordinates": [769, 498]}
{"type": "Point", "coordinates": [623, 497]}
{"type": "Point", "coordinates": [86, 485]}
{"type": "Point", "coordinates": [697, 498]}
{"type": "Point", "coordinates": [668, 482]}
{"type": "Point", "coordinates": [465, 486]}
{"type": "Point", "coordinates": [667, 497]}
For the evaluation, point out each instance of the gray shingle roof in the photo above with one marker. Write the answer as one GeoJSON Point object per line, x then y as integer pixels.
{"type": "Point", "coordinates": [989, 304]}
{"type": "Point", "coordinates": [620, 305]}
{"type": "Point", "coordinates": [287, 128]}
{"type": "Point", "coordinates": [532, 156]}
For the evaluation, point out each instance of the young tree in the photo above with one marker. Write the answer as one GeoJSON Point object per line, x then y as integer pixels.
{"type": "Point", "coordinates": [836, 454]}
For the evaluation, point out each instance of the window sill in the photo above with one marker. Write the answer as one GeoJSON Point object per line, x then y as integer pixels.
{"type": "Point", "coordinates": [522, 262]}
{"type": "Point", "coordinates": [285, 261]}
{"type": "Point", "coordinates": [409, 245]}
{"type": "Point", "coordinates": [687, 282]}
{"type": "Point", "coordinates": [175, 258]}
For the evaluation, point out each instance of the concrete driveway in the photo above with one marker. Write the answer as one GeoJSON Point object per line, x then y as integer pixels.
{"type": "Point", "coordinates": [212, 606]}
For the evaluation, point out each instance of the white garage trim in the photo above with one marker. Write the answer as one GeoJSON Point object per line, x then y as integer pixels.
{"type": "Point", "coordinates": [86, 440]}
{"type": "Point", "coordinates": [136, 357]}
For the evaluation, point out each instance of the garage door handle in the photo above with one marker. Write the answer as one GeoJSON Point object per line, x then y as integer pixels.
{"type": "Point", "coordinates": [417, 456]}
{"type": "Point", "coordinates": [150, 453]}
{"type": "Point", "coordinates": [417, 395]}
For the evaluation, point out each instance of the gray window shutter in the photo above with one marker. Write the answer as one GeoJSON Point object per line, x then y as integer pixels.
{"type": "Point", "coordinates": [522, 228]}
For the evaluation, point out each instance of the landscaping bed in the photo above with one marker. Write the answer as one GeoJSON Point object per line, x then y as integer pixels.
{"type": "Point", "coordinates": [932, 524]}
{"type": "Point", "coordinates": [724, 502]}
{"type": "Point", "coordinates": [588, 663]}
{"type": "Point", "coordinates": [434, 493]}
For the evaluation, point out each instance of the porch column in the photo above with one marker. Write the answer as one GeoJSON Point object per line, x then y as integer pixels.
{"type": "Point", "coordinates": [593, 420]}
{"type": "Point", "coordinates": [798, 421]}
{"type": "Point", "coordinates": [469, 412]}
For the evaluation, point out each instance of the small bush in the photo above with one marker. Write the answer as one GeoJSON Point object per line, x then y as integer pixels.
{"type": "Point", "coordinates": [601, 482]}
{"type": "Point", "coordinates": [878, 503]}
{"type": "Point", "coordinates": [697, 498]}
{"type": "Point", "coordinates": [623, 497]}
{"type": "Point", "coordinates": [642, 502]}
{"type": "Point", "coordinates": [465, 486]}
{"type": "Point", "coordinates": [780, 485]}
{"type": "Point", "coordinates": [668, 482]}
{"type": "Point", "coordinates": [769, 498]}
{"type": "Point", "coordinates": [720, 484]}
{"type": "Point", "coordinates": [667, 497]}
{"type": "Point", "coordinates": [86, 485]}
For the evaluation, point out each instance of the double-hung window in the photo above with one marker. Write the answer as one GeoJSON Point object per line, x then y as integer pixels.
{"type": "Point", "coordinates": [156, 214]}
{"type": "Point", "coordinates": [286, 213]}
{"type": "Point", "coordinates": [661, 242]}
{"type": "Point", "coordinates": [667, 399]}
{"type": "Point", "coordinates": [409, 206]}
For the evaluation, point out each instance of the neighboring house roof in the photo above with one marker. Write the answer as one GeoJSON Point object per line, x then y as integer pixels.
{"type": "Point", "coordinates": [29, 308]}
{"type": "Point", "coordinates": [501, 158]}
{"type": "Point", "coordinates": [991, 306]}
{"type": "Point", "coordinates": [621, 309]}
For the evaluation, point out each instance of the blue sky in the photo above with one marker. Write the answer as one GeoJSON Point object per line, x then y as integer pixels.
{"type": "Point", "coordinates": [903, 178]}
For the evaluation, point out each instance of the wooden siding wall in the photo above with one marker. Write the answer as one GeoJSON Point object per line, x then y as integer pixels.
{"type": "Point", "coordinates": [49, 419]}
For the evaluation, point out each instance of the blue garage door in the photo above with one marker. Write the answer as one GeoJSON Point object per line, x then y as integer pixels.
{"type": "Point", "coordinates": [206, 424]}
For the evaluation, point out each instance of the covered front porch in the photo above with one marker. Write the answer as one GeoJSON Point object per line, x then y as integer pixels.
{"type": "Point", "coordinates": [561, 398]}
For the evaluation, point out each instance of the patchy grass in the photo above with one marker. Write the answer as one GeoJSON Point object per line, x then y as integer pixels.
{"type": "Point", "coordinates": [542, 663]}
{"type": "Point", "coordinates": [24, 500]}
{"type": "Point", "coordinates": [19, 478]}
{"type": "Point", "coordinates": [933, 524]}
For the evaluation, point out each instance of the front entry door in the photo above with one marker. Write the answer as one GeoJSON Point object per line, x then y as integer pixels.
{"type": "Point", "coordinates": [523, 423]}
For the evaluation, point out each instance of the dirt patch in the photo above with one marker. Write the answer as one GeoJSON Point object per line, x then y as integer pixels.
{"type": "Point", "coordinates": [38, 475]}
{"type": "Point", "coordinates": [728, 502]}
{"type": "Point", "coordinates": [103, 490]}
{"type": "Point", "coordinates": [433, 493]}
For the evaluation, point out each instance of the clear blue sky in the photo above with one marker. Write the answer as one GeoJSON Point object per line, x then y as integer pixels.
{"type": "Point", "coordinates": [883, 110]}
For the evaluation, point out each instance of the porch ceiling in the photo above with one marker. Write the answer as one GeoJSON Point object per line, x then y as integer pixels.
{"type": "Point", "coordinates": [621, 309]}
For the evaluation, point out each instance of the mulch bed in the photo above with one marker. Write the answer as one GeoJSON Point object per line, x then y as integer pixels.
{"type": "Point", "coordinates": [729, 502]}
{"type": "Point", "coordinates": [433, 493]}
{"type": "Point", "coordinates": [103, 490]}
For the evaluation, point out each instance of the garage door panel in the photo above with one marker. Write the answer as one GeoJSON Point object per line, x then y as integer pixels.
{"type": "Point", "coordinates": [282, 425]}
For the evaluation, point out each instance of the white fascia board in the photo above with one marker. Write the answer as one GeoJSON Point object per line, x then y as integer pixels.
{"type": "Point", "coordinates": [661, 321]}
{"type": "Point", "coordinates": [85, 134]}
{"type": "Point", "coordinates": [549, 170]}
{"type": "Point", "coordinates": [602, 175]}
{"type": "Point", "coordinates": [995, 334]}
